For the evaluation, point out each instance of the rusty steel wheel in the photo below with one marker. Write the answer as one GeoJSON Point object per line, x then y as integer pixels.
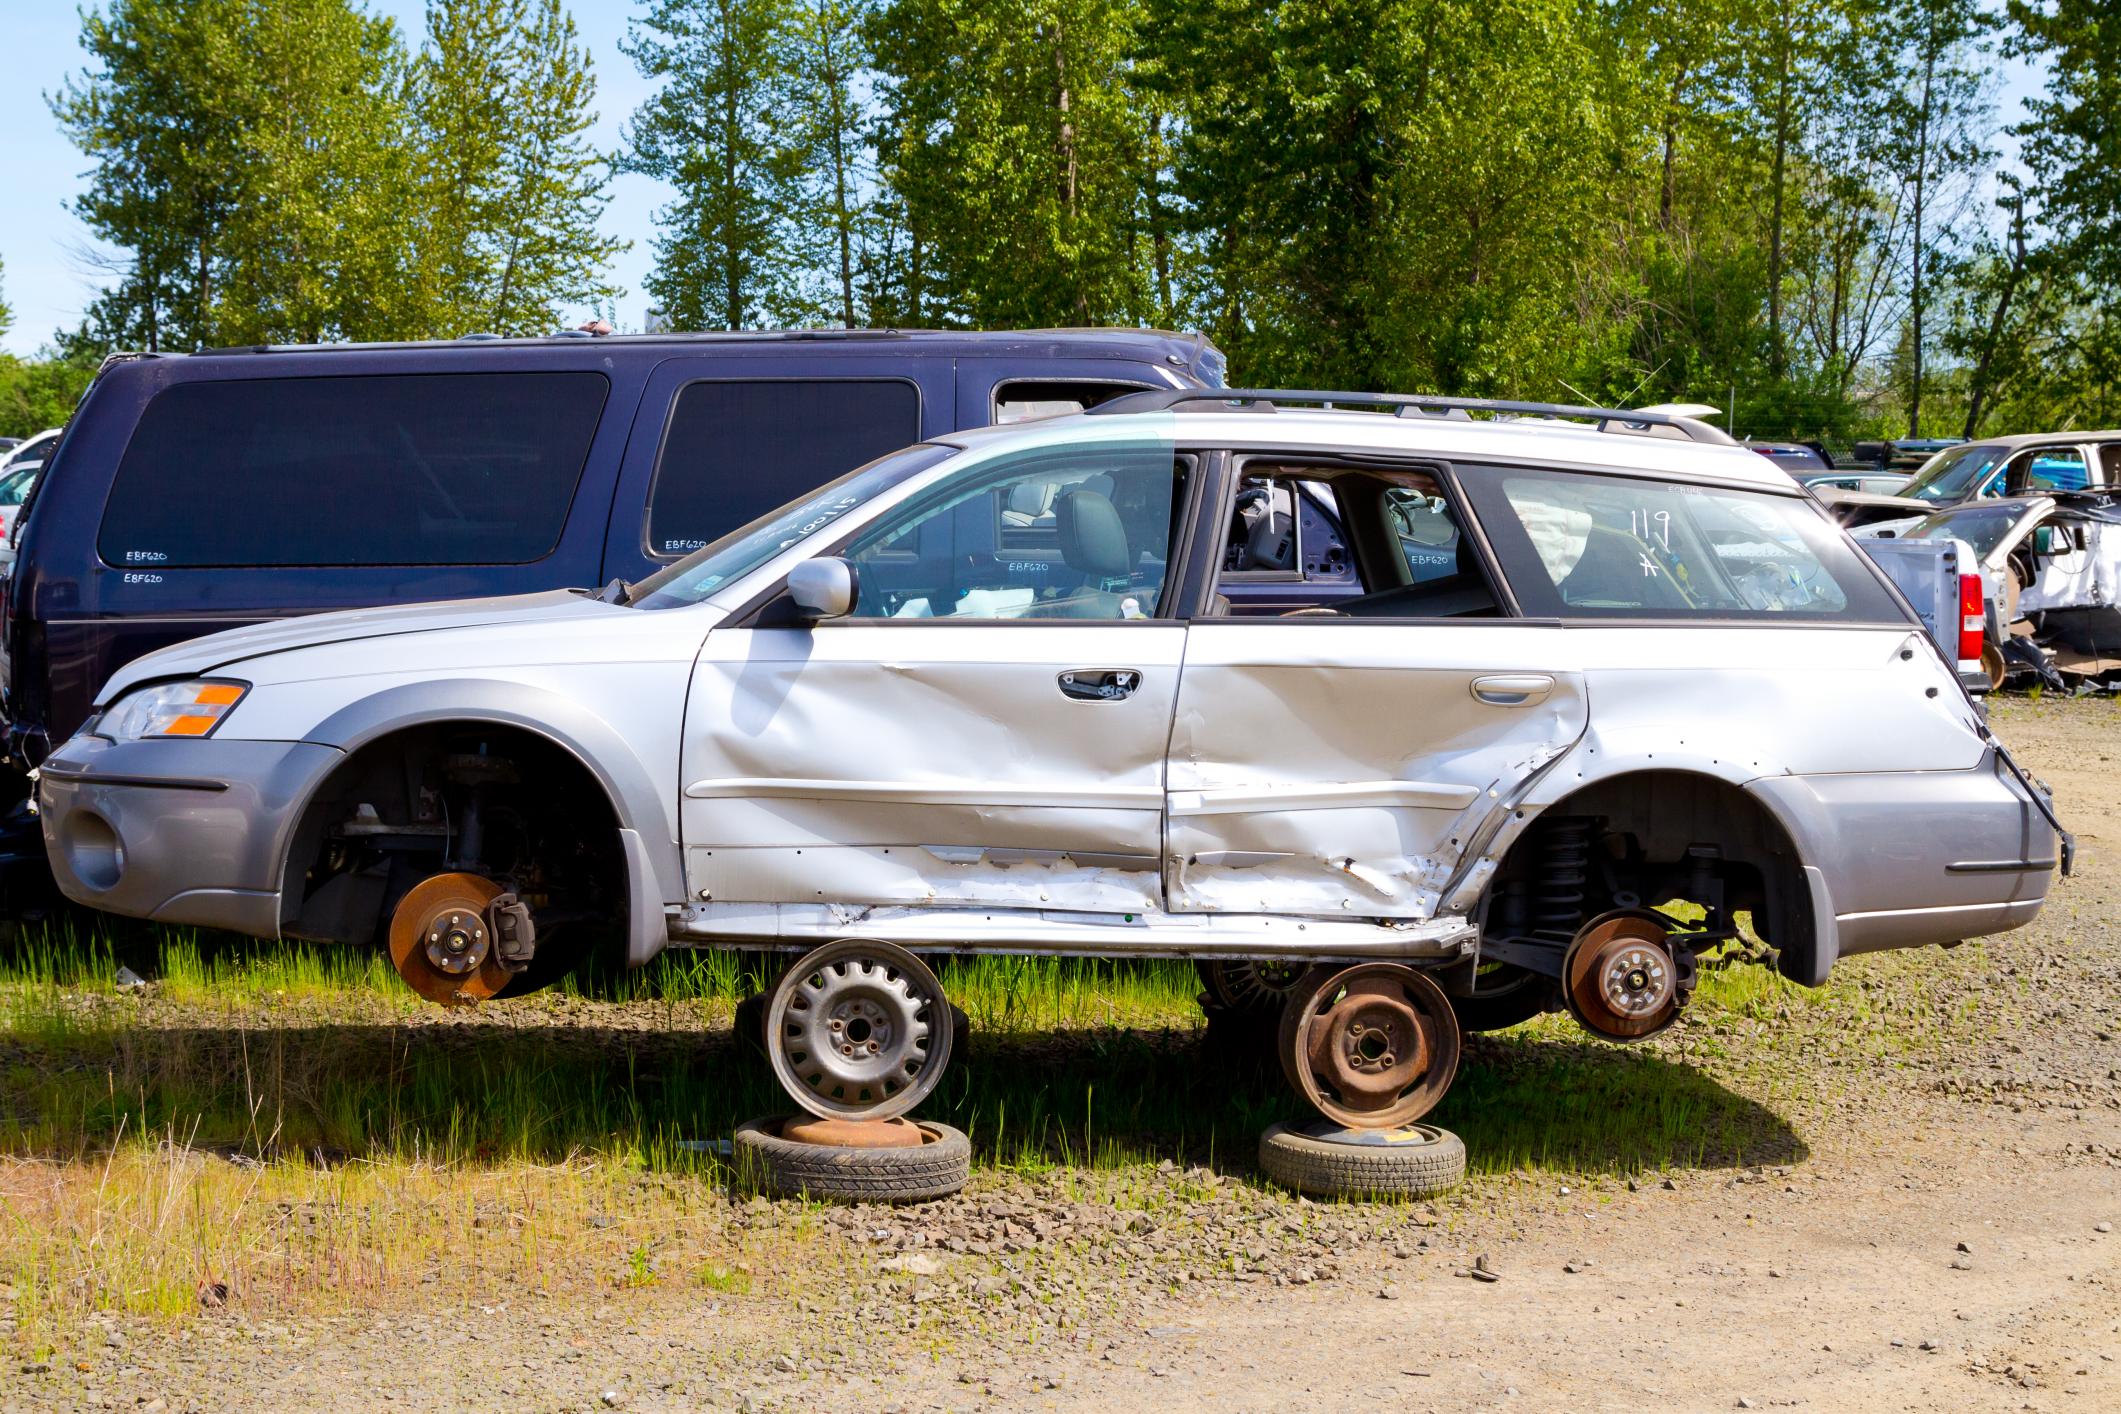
{"type": "Point", "coordinates": [441, 943]}
{"type": "Point", "coordinates": [1619, 977]}
{"type": "Point", "coordinates": [1373, 1046]}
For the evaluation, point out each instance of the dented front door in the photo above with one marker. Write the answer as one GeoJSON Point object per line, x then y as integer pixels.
{"type": "Point", "coordinates": [1330, 766]}
{"type": "Point", "coordinates": [1007, 764]}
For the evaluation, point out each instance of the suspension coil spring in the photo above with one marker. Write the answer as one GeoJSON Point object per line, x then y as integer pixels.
{"type": "Point", "coordinates": [1563, 880]}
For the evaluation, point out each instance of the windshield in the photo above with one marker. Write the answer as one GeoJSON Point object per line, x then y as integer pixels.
{"type": "Point", "coordinates": [1954, 475]}
{"type": "Point", "coordinates": [1982, 527]}
{"type": "Point", "coordinates": [741, 551]}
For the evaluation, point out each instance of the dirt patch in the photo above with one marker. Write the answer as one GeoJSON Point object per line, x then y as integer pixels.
{"type": "Point", "coordinates": [1911, 1202]}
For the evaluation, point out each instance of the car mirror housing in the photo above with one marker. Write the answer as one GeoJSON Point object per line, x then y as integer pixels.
{"type": "Point", "coordinates": [824, 588]}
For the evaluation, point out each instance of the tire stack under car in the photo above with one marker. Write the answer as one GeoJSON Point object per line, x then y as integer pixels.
{"type": "Point", "coordinates": [856, 1144]}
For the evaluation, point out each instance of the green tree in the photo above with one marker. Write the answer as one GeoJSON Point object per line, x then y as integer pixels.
{"type": "Point", "coordinates": [728, 254]}
{"type": "Point", "coordinates": [248, 162]}
{"type": "Point", "coordinates": [823, 59]}
{"type": "Point", "coordinates": [511, 189]}
{"type": "Point", "coordinates": [1013, 137]}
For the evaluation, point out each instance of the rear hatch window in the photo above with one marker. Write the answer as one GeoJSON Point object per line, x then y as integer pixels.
{"type": "Point", "coordinates": [418, 469]}
{"type": "Point", "coordinates": [1582, 546]}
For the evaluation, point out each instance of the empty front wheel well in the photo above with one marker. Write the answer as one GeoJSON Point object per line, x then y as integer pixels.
{"type": "Point", "coordinates": [484, 798]}
{"type": "Point", "coordinates": [1652, 838]}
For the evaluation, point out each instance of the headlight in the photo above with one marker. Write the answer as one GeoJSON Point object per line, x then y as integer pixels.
{"type": "Point", "coordinates": [170, 709]}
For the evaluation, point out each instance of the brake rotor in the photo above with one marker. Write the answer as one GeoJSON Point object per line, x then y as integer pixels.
{"type": "Point", "coordinates": [1620, 979]}
{"type": "Point", "coordinates": [441, 943]}
{"type": "Point", "coordinates": [1373, 1046]}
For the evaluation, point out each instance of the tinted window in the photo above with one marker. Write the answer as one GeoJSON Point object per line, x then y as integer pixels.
{"type": "Point", "coordinates": [735, 451]}
{"type": "Point", "coordinates": [1618, 547]}
{"type": "Point", "coordinates": [427, 469]}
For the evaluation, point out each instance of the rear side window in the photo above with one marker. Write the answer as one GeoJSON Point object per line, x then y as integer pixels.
{"type": "Point", "coordinates": [736, 450]}
{"type": "Point", "coordinates": [1577, 546]}
{"type": "Point", "coordinates": [419, 469]}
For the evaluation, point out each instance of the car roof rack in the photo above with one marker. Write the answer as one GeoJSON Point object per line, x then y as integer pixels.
{"type": "Point", "coordinates": [1267, 400]}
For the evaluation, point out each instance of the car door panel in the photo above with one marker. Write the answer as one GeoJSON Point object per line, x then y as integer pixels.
{"type": "Point", "coordinates": [930, 764]}
{"type": "Point", "coordinates": [1333, 767]}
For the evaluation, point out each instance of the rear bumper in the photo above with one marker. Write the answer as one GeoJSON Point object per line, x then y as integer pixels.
{"type": "Point", "coordinates": [178, 831]}
{"type": "Point", "coordinates": [1909, 858]}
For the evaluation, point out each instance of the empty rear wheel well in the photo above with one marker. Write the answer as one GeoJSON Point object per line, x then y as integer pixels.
{"type": "Point", "coordinates": [1651, 838]}
{"type": "Point", "coordinates": [484, 798]}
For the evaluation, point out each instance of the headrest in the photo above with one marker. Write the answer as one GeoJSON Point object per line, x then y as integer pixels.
{"type": "Point", "coordinates": [1092, 539]}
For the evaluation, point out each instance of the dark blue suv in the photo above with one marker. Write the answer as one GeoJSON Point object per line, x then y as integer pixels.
{"type": "Point", "coordinates": [199, 492]}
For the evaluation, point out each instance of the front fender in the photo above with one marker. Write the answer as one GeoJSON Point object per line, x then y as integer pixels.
{"type": "Point", "coordinates": [643, 807]}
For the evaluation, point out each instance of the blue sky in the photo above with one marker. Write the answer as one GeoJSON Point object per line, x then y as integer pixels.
{"type": "Point", "coordinates": [40, 171]}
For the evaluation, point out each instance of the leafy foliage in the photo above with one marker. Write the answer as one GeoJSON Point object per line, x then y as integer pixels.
{"type": "Point", "coordinates": [1785, 206]}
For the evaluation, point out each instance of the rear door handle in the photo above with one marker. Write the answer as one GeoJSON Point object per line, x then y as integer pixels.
{"type": "Point", "coordinates": [1513, 689]}
{"type": "Point", "coordinates": [1100, 684]}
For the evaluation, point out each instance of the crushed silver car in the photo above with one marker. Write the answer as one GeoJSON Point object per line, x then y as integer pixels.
{"type": "Point", "coordinates": [1573, 700]}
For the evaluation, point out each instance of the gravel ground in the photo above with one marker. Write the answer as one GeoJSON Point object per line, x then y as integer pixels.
{"type": "Point", "coordinates": [1941, 1237]}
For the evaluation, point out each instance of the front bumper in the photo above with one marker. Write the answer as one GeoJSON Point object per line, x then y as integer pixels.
{"type": "Point", "coordinates": [178, 831]}
{"type": "Point", "coordinates": [1905, 859]}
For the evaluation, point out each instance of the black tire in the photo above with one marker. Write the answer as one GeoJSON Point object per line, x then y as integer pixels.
{"type": "Point", "coordinates": [1404, 1163]}
{"type": "Point", "coordinates": [936, 1169]}
{"type": "Point", "coordinates": [1504, 997]}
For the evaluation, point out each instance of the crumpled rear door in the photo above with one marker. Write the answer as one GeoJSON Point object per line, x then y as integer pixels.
{"type": "Point", "coordinates": [1336, 767]}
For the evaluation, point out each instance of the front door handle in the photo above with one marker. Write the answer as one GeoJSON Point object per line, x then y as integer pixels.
{"type": "Point", "coordinates": [1100, 684]}
{"type": "Point", "coordinates": [1513, 689]}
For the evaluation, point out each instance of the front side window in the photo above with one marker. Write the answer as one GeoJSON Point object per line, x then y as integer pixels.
{"type": "Point", "coordinates": [416, 469]}
{"type": "Point", "coordinates": [736, 450]}
{"type": "Point", "coordinates": [1078, 532]}
{"type": "Point", "coordinates": [1582, 546]}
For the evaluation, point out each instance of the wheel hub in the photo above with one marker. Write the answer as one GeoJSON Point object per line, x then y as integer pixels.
{"type": "Point", "coordinates": [457, 943]}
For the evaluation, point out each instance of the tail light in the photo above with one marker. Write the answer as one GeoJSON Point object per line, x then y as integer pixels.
{"type": "Point", "coordinates": [1973, 617]}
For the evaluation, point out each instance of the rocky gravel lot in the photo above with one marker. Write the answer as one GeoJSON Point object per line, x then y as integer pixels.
{"type": "Point", "coordinates": [1935, 1232]}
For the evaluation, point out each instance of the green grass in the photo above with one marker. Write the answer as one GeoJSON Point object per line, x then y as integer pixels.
{"type": "Point", "coordinates": [269, 1050]}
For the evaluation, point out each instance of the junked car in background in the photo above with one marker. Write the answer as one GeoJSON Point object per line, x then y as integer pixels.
{"type": "Point", "coordinates": [1995, 466]}
{"type": "Point", "coordinates": [16, 482]}
{"type": "Point", "coordinates": [994, 692]}
{"type": "Point", "coordinates": [2050, 569]}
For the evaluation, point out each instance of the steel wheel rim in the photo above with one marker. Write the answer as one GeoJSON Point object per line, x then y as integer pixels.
{"type": "Point", "coordinates": [1251, 986]}
{"type": "Point", "coordinates": [858, 1030]}
{"type": "Point", "coordinates": [1374, 1046]}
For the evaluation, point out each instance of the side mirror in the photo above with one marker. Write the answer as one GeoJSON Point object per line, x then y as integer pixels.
{"type": "Point", "coordinates": [824, 588]}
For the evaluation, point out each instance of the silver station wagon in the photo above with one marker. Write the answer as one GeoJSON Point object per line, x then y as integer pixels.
{"type": "Point", "coordinates": [1401, 716]}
